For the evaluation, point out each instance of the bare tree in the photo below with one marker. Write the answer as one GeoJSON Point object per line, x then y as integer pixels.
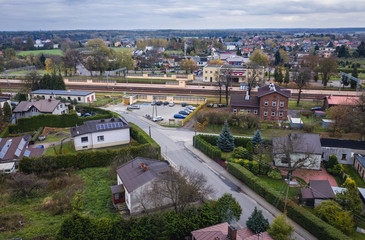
{"type": "Point", "coordinates": [301, 78]}
{"type": "Point", "coordinates": [219, 83]}
{"type": "Point", "coordinates": [252, 76]}
{"type": "Point", "coordinates": [178, 188]}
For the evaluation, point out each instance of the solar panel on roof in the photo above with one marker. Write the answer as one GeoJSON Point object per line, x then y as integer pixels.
{"type": "Point", "coordinates": [110, 125]}
{"type": "Point", "coordinates": [20, 147]}
{"type": "Point", "coordinates": [97, 127]}
{"type": "Point", "coordinates": [26, 153]}
{"type": "Point", "coordinates": [102, 126]}
{"type": "Point", "coordinates": [5, 148]}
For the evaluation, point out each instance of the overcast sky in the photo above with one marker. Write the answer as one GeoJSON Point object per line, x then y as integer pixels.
{"type": "Point", "coordinates": [179, 14]}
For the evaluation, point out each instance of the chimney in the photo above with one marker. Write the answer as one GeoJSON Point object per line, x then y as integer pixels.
{"type": "Point", "coordinates": [144, 167]}
{"type": "Point", "coordinates": [247, 97]}
{"type": "Point", "coordinates": [232, 232]}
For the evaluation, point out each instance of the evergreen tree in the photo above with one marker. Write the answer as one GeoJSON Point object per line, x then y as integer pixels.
{"type": "Point", "coordinates": [225, 140]}
{"type": "Point", "coordinates": [356, 75]}
{"type": "Point", "coordinates": [278, 59]}
{"type": "Point", "coordinates": [280, 76]}
{"type": "Point", "coordinates": [350, 198]}
{"type": "Point", "coordinates": [276, 74]}
{"type": "Point", "coordinates": [7, 112]}
{"type": "Point", "coordinates": [43, 60]}
{"type": "Point", "coordinates": [256, 139]}
{"type": "Point", "coordinates": [361, 49]}
{"type": "Point", "coordinates": [249, 147]}
{"type": "Point", "coordinates": [256, 222]}
{"type": "Point", "coordinates": [287, 76]}
{"type": "Point", "coordinates": [1, 114]}
{"type": "Point", "coordinates": [228, 208]}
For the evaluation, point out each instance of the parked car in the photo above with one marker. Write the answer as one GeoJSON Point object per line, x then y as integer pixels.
{"type": "Point", "coordinates": [133, 107]}
{"type": "Point", "coordinates": [171, 104]}
{"type": "Point", "coordinates": [191, 107]}
{"type": "Point", "coordinates": [165, 103]}
{"type": "Point", "coordinates": [184, 112]}
{"type": "Point", "coordinates": [209, 105]}
{"type": "Point", "coordinates": [159, 103]}
{"type": "Point", "coordinates": [179, 116]}
{"type": "Point", "coordinates": [183, 104]}
{"type": "Point", "coordinates": [222, 105]}
{"type": "Point", "coordinates": [153, 103]}
{"type": "Point", "coordinates": [158, 118]}
{"type": "Point", "coordinates": [188, 110]}
{"type": "Point", "coordinates": [317, 108]}
{"type": "Point", "coordinates": [148, 116]}
{"type": "Point", "coordinates": [87, 115]}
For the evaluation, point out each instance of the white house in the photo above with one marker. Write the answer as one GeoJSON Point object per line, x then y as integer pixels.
{"type": "Point", "coordinates": [35, 107]}
{"type": "Point", "coordinates": [79, 96]}
{"type": "Point", "coordinates": [7, 167]}
{"type": "Point", "coordinates": [134, 178]}
{"type": "Point", "coordinates": [304, 151]}
{"type": "Point", "coordinates": [101, 133]}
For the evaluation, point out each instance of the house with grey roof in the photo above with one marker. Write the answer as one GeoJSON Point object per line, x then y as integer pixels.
{"type": "Point", "coordinates": [359, 164]}
{"type": "Point", "coordinates": [101, 133]}
{"type": "Point", "coordinates": [318, 191]}
{"type": "Point", "coordinates": [79, 96]}
{"type": "Point", "coordinates": [343, 149]}
{"type": "Point", "coordinates": [134, 178]}
{"type": "Point", "coordinates": [300, 150]}
{"type": "Point", "coordinates": [35, 107]}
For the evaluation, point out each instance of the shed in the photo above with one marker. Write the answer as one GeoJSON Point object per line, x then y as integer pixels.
{"type": "Point", "coordinates": [7, 167]}
{"type": "Point", "coordinates": [319, 113]}
{"type": "Point", "coordinates": [296, 122]}
{"type": "Point", "coordinates": [117, 194]}
{"type": "Point", "coordinates": [326, 123]}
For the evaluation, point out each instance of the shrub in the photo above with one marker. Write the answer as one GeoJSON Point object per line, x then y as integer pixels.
{"type": "Point", "coordinates": [255, 169]}
{"type": "Point", "coordinates": [241, 152]}
{"type": "Point", "coordinates": [36, 135]}
{"type": "Point", "coordinates": [332, 161]}
{"type": "Point", "coordinates": [280, 229]}
{"type": "Point", "coordinates": [210, 150]}
{"type": "Point", "coordinates": [274, 174]}
{"type": "Point", "coordinates": [256, 222]}
{"type": "Point", "coordinates": [225, 141]}
{"type": "Point", "coordinates": [265, 168]}
{"type": "Point", "coordinates": [5, 132]}
{"type": "Point", "coordinates": [308, 127]}
{"type": "Point", "coordinates": [337, 169]}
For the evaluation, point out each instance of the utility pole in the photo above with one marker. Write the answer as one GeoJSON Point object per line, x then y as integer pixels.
{"type": "Point", "coordinates": [287, 191]}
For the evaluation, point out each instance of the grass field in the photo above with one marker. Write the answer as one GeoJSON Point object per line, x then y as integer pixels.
{"type": "Point", "coordinates": [26, 72]}
{"type": "Point", "coordinates": [304, 105]}
{"type": "Point", "coordinates": [37, 52]}
{"type": "Point", "coordinates": [123, 49]}
{"type": "Point", "coordinates": [68, 147]}
{"type": "Point", "coordinates": [280, 186]}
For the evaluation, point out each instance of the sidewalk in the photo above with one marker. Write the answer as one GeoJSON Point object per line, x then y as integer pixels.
{"type": "Point", "coordinates": [301, 233]}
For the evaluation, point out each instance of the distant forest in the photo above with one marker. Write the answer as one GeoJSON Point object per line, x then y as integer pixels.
{"type": "Point", "coordinates": [80, 35]}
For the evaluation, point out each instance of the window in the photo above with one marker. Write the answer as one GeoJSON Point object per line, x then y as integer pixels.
{"type": "Point", "coordinates": [206, 71]}
{"type": "Point", "coordinates": [84, 146]}
{"type": "Point", "coordinates": [273, 113]}
{"type": "Point", "coordinates": [281, 103]}
{"type": "Point", "coordinates": [265, 113]}
{"type": "Point", "coordinates": [84, 139]}
{"type": "Point", "coordinates": [234, 110]}
{"type": "Point", "coordinates": [273, 103]}
{"type": "Point", "coordinates": [100, 138]}
{"type": "Point", "coordinates": [248, 110]}
{"type": "Point", "coordinates": [284, 160]}
{"type": "Point", "coordinates": [116, 196]}
{"type": "Point", "coordinates": [69, 98]}
{"type": "Point", "coordinates": [79, 99]}
{"type": "Point", "coordinates": [280, 114]}
{"type": "Point", "coordinates": [343, 157]}
{"type": "Point", "coordinates": [50, 97]}
{"type": "Point", "coordinates": [255, 111]}
{"type": "Point", "coordinates": [61, 106]}
{"type": "Point", "coordinates": [206, 78]}
{"type": "Point", "coordinates": [266, 103]}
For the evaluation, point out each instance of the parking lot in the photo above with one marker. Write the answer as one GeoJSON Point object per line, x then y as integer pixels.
{"type": "Point", "coordinates": [164, 111]}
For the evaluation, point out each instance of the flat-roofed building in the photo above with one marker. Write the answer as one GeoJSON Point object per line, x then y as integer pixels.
{"type": "Point", "coordinates": [79, 96]}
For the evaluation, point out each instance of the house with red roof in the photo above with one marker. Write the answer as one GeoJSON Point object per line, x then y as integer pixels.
{"type": "Point", "coordinates": [225, 231]}
{"type": "Point", "coordinates": [330, 101]}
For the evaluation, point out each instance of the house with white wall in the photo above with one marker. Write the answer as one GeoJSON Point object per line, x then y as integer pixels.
{"type": "Point", "coordinates": [343, 149]}
{"type": "Point", "coordinates": [79, 96]}
{"type": "Point", "coordinates": [302, 150]}
{"type": "Point", "coordinates": [35, 107]}
{"type": "Point", "coordinates": [101, 133]}
{"type": "Point", "coordinates": [134, 178]}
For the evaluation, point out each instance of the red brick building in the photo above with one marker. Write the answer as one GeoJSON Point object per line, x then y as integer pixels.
{"type": "Point", "coordinates": [270, 104]}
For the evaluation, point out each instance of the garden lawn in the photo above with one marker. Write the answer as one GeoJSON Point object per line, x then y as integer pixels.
{"type": "Point", "coordinates": [37, 52]}
{"type": "Point", "coordinates": [98, 198]}
{"type": "Point", "coordinates": [58, 135]}
{"type": "Point", "coordinates": [354, 175]}
{"type": "Point", "coordinates": [280, 186]}
{"type": "Point", "coordinates": [68, 147]}
{"type": "Point", "coordinates": [305, 105]}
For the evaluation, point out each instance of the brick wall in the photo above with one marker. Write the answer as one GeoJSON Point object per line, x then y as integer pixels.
{"type": "Point", "coordinates": [270, 109]}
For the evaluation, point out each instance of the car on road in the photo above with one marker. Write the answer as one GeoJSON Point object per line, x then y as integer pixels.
{"type": "Point", "coordinates": [184, 112]}
{"type": "Point", "coordinates": [159, 103]}
{"type": "Point", "coordinates": [191, 107]}
{"type": "Point", "coordinates": [317, 109]}
{"type": "Point", "coordinates": [188, 110]}
{"type": "Point", "coordinates": [153, 103]}
{"type": "Point", "coordinates": [133, 107]}
{"type": "Point", "coordinates": [158, 118]}
{"type": "Point", "coordinates": [165, 103]}
{"type": "Point", "coordinates": [179, 116]}
{"type": "Point", "coordinates": [171, 104]}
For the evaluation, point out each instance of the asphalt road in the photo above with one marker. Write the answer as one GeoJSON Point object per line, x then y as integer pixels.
{"type": "Point", "coordinates": [175, 145]}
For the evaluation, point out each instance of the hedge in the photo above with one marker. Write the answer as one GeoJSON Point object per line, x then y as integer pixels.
{"type": "Point", "coordinates": [5, 132]}
{"type": "Point", "coordinates": [238, 141]}
{"type": "Point", "coordinates": [207, 148]}
{"type": "Point", "coordinates": [94, 158]}
{"type": "Point", "coordinates": [36, 135]}
{"type": "Point", "coordinates": [192, 114]}
{"type": "Point", "coordinates": [306, 219]}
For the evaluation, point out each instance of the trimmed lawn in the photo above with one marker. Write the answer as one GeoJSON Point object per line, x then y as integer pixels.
{"type": "Point", "coordinates": [58, 135]}
{"type": "Point", "coordinates": [123, 49]}
{"type": "Point", "coordinates": [37, 52]}
{"type": "Point", "coordinates": [26, 72]}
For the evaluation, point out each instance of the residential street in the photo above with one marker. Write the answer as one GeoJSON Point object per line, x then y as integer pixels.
{"type": "Point", "coordinates": [176, 146]}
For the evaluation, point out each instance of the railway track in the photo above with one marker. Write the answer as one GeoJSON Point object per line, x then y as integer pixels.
{"type": "Point", "coordinates": [143, 89]}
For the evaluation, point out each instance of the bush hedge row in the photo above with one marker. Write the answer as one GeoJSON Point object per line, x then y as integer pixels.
{"type": "Point", "coordinates": [96, 158]}
{"type": "Point", "coordinates": [5, 132]}
{"type": "Point", "coordinates": [192, 114]}
{"type": "Point", "coordinates": [36, 135]}
{"type": "Point", "coordinates": [306, 219]}
{"type": "Point", "coordinates": [210, 150]}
